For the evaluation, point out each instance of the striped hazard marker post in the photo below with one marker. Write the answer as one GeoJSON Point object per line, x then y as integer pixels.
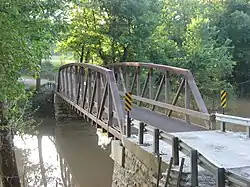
{"type": "Point", "coordinates": [128, 108]}
{"type": "Point", "coordinates": [223, 104]}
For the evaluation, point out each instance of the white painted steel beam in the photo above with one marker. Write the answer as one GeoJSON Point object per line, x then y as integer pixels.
{"type": "Point", "coordinates": [233, 119]}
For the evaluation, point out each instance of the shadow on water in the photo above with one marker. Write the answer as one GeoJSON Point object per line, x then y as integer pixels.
{"type": "Point", "coordinates": [70, 156]}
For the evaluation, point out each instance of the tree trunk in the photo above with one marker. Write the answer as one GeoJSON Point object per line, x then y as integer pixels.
{"type": "Point", "coordinates": [82, 54]}
{"type": "Point", "coordinates": [40, 151]}
{"type": "Point", "coordinates": [87, 58]}
{"type": "Point", "coordinates": [125, 54]}
{"type": "Point", "coordinates": [9, 167]}
{"type": "Point", "coordinates": [38, 79]}
{"type": "Point", "coordinates": [10, 177]}
{"type": "Point", "coordinates": [113, 51]}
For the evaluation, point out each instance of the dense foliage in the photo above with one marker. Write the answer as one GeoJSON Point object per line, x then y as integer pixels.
{"type": "Point", "coordinates": [211, 38]}
{"type": "Point", "coordinates": [28, 30]}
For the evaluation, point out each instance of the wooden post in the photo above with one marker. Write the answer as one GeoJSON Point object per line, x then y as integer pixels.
{"type": "Point", "coordinates": [194, 168]}
{"type": "Point", "coordinates": [220, 177]}
{"type": "Point", "coordinates": [156, 141]}
{"type": "Point", "coordinates": [175, 150]}
{"type": "Point", "coordinates": [141, 132]}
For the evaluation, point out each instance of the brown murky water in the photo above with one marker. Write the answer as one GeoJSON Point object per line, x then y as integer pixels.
{"type": "Point", "coordinates": [89, 164]}
{"type": "Point", "coordinates": [75, 143]}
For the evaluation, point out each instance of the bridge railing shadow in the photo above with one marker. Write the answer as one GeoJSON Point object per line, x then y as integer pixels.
{"type": "Point", "coordinates": [165, 89]}
{"type": "Point", "coordinates": [93, 91]}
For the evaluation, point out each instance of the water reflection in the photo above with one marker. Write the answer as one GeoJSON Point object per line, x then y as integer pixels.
{"type": "Point", "coordinates": [70, 158]}
{"type": "Point", "coordinates": [28, 161]}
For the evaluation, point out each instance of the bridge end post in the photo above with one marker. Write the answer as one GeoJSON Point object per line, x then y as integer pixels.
{"type": "Point", "coordinates": [212, 122]}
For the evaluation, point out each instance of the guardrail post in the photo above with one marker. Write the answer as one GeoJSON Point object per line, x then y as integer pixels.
{"type": "Point", "coordinates": [141, 132]}
{"type": "Point", "coordinates": [220, 177]}
{"type": "Point", "coordinates": [128, 128]}
{"type": "Point", "coordinates": [175, 150]}
{"type": "Point", "coordinates": [156, 141]}
{"type": "Point", "coordinates": [194, 168]}
{"type": "Point", "coordinates": [223, 126]}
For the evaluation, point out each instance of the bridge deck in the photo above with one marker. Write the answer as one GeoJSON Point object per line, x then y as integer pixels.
{"type": "Point", "coordinates": [158, 120]}
{"type": "Point", "coordinates": [161, 121]}
{"type": "Point", "coordinates": [227, 149]}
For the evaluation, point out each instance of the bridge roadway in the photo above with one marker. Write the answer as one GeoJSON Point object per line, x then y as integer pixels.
{"type": "Point", "coordinates": [161, 121]}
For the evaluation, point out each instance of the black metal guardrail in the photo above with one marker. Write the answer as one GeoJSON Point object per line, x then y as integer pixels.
{"type": "Point", "coordinates": [223, 176]}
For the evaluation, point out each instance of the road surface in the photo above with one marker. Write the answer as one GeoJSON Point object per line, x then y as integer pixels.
{"type": "Point", "coordinates": [161, 121]}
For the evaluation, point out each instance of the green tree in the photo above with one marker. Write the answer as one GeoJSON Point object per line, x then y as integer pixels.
{"type": "Point", "coordinates": [28, 28]}
{"type": "Point", "coordinates": [112, 30]}
{"type": "Point", "coordinates": [202, 36]}
{"type": "Point", "coordinates": [234, 23]}
{"type": "Point", "coordinates": [188, 38]}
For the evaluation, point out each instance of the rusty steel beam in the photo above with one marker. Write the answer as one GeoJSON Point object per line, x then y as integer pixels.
{"type": "Point", "coordinates": [133, 82]}
{"type": "Point", "coordinates": [175, 70]}
{"type": "Point", "coordinates": [177, 95]}
{"type": "Point", "coordinates": [92, 91]}
{"type": "Point", "coordinates": [158, 91]}
{"type": "Point", "coordinates": [144, 86]}
{"type": "Point", "coordinates": [102, 105]}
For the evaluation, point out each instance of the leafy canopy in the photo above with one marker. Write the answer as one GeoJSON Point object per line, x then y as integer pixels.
{"type": "Point", "coordinates": [28, 29]}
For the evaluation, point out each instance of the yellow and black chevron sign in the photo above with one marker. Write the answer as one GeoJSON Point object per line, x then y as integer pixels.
{"type": "Point", "coordinates": [128, 101]}
{"type": "Point", "coordinates": [223, 99]}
